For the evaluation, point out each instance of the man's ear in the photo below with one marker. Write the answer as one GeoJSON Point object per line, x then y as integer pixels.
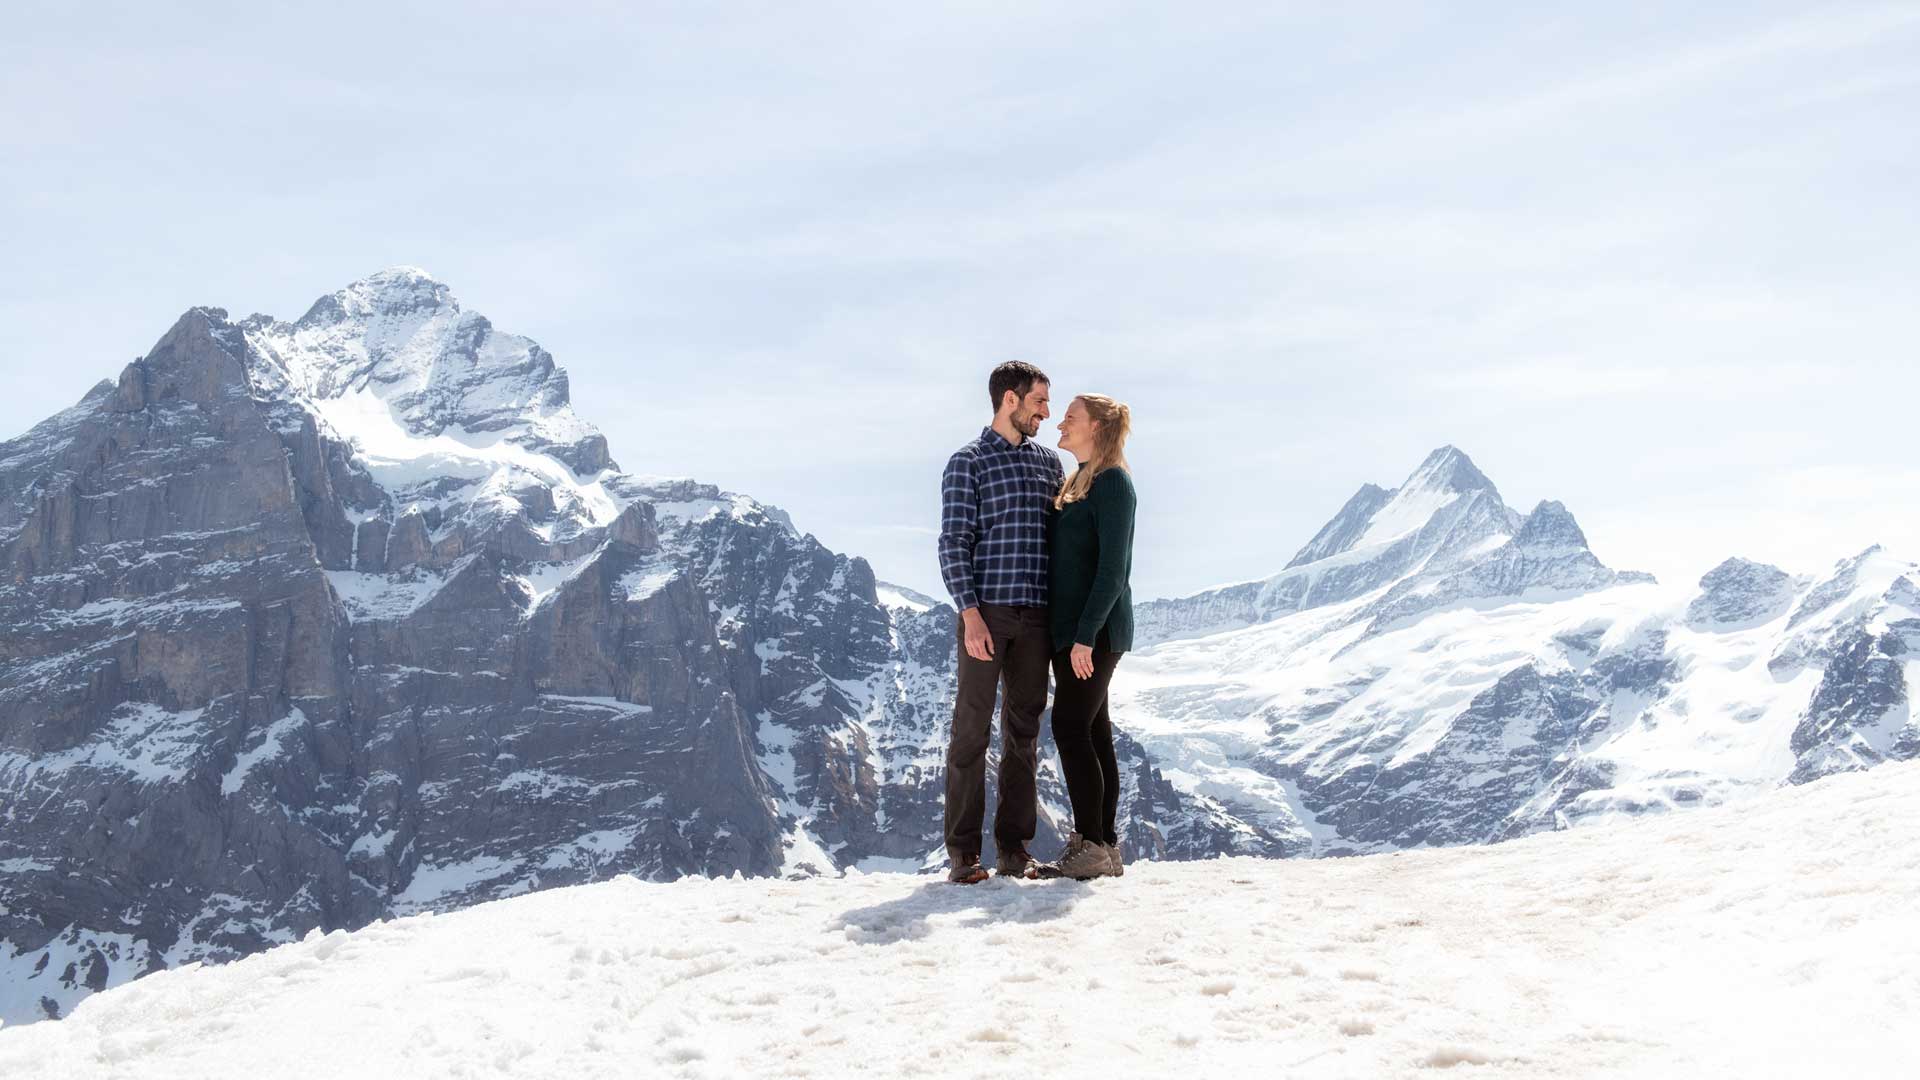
{"type": "Point", "coordinates": [1009, 399]}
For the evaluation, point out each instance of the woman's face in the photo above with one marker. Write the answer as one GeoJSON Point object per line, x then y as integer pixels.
{"type": "Point", "coordinates": [1076, 431]}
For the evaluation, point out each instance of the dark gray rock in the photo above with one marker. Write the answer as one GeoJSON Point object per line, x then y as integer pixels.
{"type": "Point", "coordinates": [1861, 713]}
{"type": "Point", "coordinates": [1739, 595]}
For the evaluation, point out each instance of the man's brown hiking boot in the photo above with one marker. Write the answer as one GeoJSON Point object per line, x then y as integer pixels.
{"type": "Point", "coordinates": [1016, 863]}
{"type": "Point", "coordinates": [966, 870]}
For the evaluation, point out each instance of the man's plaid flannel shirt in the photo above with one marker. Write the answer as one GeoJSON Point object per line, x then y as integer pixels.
{"type": "Point", "coordinates": [995, 498]}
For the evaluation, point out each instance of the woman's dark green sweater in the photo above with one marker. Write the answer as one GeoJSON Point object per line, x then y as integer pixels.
{"type": "Point", "coordinates": [1091, 561]}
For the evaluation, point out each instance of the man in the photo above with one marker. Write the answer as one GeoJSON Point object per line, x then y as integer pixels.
{"type": "Point", "coordinates": [995, 497]}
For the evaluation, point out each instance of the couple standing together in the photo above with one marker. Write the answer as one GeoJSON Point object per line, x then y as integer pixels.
{"type": "Point", "coordinates": [1038, 565]}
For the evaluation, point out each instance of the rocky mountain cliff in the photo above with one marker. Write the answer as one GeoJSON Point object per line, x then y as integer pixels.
{"type": "Point", "coordinates": [308, 624]}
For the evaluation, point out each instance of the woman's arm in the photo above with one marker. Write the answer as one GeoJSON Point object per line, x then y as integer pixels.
{"type": "Point", "coordinates": [1112, 501]}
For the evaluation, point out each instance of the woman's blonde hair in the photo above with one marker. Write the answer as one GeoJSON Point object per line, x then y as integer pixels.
{"type": "Point", "coordinates": [1112, 422]}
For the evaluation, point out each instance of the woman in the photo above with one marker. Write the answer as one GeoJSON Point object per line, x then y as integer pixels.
{"type": "Point", "coordinates": [1091, 608]}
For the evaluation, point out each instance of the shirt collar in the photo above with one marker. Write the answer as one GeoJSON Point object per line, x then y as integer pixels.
{"type": "Point", "coordinates": [998, 441]}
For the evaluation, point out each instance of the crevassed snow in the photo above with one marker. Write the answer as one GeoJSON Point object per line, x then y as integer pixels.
{"type": "Point", "coordinates": [1770, 938]}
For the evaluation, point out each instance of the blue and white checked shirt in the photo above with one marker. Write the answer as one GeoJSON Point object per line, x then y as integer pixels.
{"type": "Point", "coordinates": [995, 498]}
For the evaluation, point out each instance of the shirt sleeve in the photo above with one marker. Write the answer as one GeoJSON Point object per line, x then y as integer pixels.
{"type": "Point", "coordinates": [1112, 501]}
{"type": "Point", "coordinates": [959, 529]}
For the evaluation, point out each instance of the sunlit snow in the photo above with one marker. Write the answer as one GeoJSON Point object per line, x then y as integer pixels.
{"type": "Point", "coordinates": [1771, 938]}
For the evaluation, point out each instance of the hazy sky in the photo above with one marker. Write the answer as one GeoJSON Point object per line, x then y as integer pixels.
{"type": "Point", "coordinates": [1662, 265]}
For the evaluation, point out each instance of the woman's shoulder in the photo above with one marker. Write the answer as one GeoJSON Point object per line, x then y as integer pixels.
{"type": "Point", "coordinates": [1114, 483]}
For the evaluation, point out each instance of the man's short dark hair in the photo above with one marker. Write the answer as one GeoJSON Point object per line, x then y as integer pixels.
{"type": "Point", "coordinates": [1015, 375]}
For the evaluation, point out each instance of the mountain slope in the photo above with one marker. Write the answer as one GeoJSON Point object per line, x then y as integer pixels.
{"type": "Point", "coordinates": [1473, 675]}
{"type": "Point", "coordinates": [1632, 950]}
{"type": "Point", "coordinates": [306, 624]}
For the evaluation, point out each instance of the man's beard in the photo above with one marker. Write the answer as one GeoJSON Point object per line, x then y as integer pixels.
{"type": "Point", "coordinates": [1026, 423]}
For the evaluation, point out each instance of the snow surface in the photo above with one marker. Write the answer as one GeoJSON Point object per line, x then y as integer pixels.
{"type": "Point", "coordinates": [1768, 938]}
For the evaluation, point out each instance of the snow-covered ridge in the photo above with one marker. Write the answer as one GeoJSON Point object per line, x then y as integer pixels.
{"type": "Point", "coordinates": [1443, 537]}
{"type": "Point", "coordinates": [1435, 668]}
{"type": "Point", "coordinates": [402, 337]}
{"type": "Point", "coordinates": [1385, 966]}
{"type": "Point", "coordinates": [435, 401]}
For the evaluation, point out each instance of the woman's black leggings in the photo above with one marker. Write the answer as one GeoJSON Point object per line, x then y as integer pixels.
{"type": "Point", "coordinates": [1084, 733]}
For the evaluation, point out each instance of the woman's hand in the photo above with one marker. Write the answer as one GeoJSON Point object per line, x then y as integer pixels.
{"type": "Point", "coordinates": [1082, 660]}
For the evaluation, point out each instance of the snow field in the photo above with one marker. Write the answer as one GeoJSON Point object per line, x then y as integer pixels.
{"type": "Point", "coordinates": [1773, 937]}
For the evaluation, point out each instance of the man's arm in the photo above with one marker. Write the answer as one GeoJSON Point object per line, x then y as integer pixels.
{"type": "Point", "coordinates": [959, 531]}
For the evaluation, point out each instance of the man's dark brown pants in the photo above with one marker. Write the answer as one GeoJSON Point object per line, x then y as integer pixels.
{"type": "Point", "coordinates": [1022, 647]}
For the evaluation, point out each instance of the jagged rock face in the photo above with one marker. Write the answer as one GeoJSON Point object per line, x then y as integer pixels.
{"type": "Point", "coordinates": [304, 625]}
{"type": "Point", "coordinates": [1861, 714]}
{"type": "Point", "coordinates": [1739, 592]}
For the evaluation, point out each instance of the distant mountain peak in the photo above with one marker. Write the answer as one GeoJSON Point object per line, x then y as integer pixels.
{"type": "Point", "coordinates": [1550, 524]}
{"type": "Point", "coordinates": [1442, 536]}
{"type": "Point", "coordinates": [396, 290]}
{"type": "Point", "coordinates": [400, 335]}
{"type": "Point", "coordinates": [1376, 515]}
{"type": "Point", "coordinates": [1448, 469]}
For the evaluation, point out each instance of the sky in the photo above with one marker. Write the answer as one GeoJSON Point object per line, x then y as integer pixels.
{"type": "Point", "coordinates": [1658, 264]}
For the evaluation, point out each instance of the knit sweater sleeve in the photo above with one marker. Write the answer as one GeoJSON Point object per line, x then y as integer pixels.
{"type": "Point", "coordinates": [1112, 502]}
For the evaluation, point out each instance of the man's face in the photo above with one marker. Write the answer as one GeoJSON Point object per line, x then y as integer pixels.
{"type": "Point", "coordinates": [1030, 410]}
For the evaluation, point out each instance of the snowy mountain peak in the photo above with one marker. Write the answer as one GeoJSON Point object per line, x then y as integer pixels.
{"type": "Point", "coordinates": [396, 349]}
{"type": "Point", "coordinates": [1347, 526]}
{"type": "Point", "coordinates": [1863, 578]}
{"type": "Point", "coordinates": [1550, 525]}
{"type": "Point", "coordinates": [393, 291]}
{"type": "Point", "coordinates": [1442, 537]}
{"type": "Point", "coordinates": [1741, 593]}
{"type": "Point", "coordinates": [1428, 497]}
{"type": "Point", "coordinates": [1447, 470]}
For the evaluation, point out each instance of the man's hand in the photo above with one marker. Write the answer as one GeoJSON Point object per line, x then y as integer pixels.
{"type": "Point", "coordinates": [1082, 660]}
{"type": "Point", "coordinates": [979, 639]}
